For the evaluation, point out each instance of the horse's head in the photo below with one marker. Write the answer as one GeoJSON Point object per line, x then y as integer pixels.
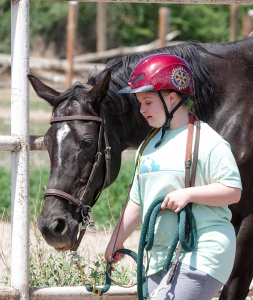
{"type": "Point", "coordinates": [78, 143]}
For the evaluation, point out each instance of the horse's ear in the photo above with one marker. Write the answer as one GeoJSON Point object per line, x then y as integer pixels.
{"type": "Point", "coordinates": [99, 91]}
{"type": "Point", "coordinates": [43, 91]}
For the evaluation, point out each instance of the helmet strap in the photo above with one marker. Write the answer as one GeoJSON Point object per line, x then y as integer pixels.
{"type": "Point", "coordinates": [169, 115]}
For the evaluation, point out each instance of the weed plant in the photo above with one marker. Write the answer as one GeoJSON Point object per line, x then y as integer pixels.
{"type": "Point", "coordinates": [49, 268]}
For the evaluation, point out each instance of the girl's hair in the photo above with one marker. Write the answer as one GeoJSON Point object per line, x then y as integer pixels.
{"type": "Point", "coordinates": [187, 103]}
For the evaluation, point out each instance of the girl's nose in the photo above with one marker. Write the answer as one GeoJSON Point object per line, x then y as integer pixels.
{"type": "Point", "coordinates": [142, 109]}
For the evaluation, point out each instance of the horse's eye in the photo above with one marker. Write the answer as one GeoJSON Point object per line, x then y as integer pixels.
{"type": "Point", "coordinates": [86, 143]}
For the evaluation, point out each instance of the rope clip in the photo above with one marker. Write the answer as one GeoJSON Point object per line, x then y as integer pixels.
{"type": "Point", "coordinates": [75, 258]}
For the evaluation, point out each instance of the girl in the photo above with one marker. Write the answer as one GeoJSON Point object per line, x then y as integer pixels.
{"type": "Point", "coordinates": [162, 84]}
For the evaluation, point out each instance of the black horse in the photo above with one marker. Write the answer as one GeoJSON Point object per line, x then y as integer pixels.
{"type": "Point", "coordinates": [224, 96]}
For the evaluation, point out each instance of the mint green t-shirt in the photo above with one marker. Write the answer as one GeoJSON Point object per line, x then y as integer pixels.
{"type": "Point", "coordinates": [162, 171]}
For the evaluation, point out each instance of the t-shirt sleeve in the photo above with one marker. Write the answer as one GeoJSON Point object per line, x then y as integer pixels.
{"type": "Point", "coordinates": [134, 195]}
{"type": "Point", "coordinates": [221, 166]}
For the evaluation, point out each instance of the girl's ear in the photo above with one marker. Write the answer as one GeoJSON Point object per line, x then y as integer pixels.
{"type": "Point", "coordinates": [174, 98]}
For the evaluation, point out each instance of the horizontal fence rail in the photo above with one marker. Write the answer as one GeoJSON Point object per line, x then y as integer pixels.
{"type": "Point", "coordinates": [75, 293]}
{"type": "Point", "coordinates": [14, 144]}
{"type": "Point", "coordinates": [170, 1]}
{"type": "Point", "coordinates": [70, 293]}
{"type": "Point", "coordinates": [10, 143]}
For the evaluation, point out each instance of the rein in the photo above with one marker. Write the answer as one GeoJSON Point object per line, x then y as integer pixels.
{"type": "Point", "coordinates": [80, 201]}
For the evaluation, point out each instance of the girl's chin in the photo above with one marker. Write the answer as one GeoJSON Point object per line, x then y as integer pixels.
{"type": "Point", "coordinates": [154, 124]}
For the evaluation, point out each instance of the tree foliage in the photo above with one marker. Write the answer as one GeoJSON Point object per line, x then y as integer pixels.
{"type": "Point", "coordinates": [128, 24]}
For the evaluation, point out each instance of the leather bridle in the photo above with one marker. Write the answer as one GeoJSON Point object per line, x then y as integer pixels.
{"type": "Point", "coordinates": [80, 201]}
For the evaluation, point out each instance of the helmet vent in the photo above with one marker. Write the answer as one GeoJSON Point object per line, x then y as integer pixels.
{"type": "Point", "coordinates": [140, 77]}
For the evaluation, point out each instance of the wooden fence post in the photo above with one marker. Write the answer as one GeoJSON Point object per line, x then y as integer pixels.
{"type": "Point", "coordinates": [101, 27]}
{"type": "Point", "coordinates": [71, 40]}
{"type": "Point", "coordinates": [247, 23]}
{"type": "Point", "coordinates": [164, 14]}
{"type": "Point", "coordinates": [234, 21]}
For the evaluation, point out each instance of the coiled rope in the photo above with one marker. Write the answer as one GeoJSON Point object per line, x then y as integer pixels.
{"type": "Point", "coordinates": [146, 243]}
{"type": "Point", "coordinates": [147, 239]}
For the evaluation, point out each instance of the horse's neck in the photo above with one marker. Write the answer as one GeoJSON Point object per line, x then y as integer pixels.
{"type": "Point", "coordinates": [126, 130]}
{"type": "Point", "coordinates": [135, 137]}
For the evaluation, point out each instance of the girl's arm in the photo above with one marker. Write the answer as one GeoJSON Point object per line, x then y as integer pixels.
{"type": "Point", "coordinates": [215, 194]}
{"type": "Point", "coordinates": [131, 219]}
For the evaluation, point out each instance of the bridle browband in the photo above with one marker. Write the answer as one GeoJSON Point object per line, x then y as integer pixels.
{"type": "Point", "coordinates": [80, 201]}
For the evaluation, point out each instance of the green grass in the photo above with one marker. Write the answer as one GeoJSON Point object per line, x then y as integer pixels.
{"type": "Point", "coordinates": [5, 127]}
{"type": "Point", "coordinates": [105, 211]}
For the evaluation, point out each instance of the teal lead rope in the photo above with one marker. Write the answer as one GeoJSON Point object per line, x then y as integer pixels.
{"type": "Point", "coordinates": [147, 239]}
{"type": "Point", "coordinates": [108, 272]}
{"type": "Point", "coordinates": [146, 243]}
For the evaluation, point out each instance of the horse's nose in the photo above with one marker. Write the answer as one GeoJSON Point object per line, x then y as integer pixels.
{"type": "Point", "coordinates": [58, 227]}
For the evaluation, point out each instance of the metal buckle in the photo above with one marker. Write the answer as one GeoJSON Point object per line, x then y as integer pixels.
{"type": "Point", "coordinates": [75, 258]}
{"type": "Point", "coordinates": [107, 150]}
{"type": "Point", "coordinates": [91, 226]}
{"type": "Point", "coordinates": [97, 154]}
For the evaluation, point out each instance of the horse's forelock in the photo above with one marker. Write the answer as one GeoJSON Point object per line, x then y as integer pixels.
{"type": "Point", "coordinates": [120, 69]}
{"type": "Point", "coordinates": [75, 92]}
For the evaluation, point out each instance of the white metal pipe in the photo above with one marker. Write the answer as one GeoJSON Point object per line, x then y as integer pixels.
{"type": "Point", "coordinates": [67, 293]}
{"type": "Point", "coordinates": [10, 143]}
{"type": "Point", "coordinates": [20, 160]}
{"type": "Point", "coordinates": [76, 293]}
{"type": "Point", "coordinates": [170, 1]}
{"type": "Point", "coordinates": [80, 293]}
{"type": "Point", "coordinates": [9, 293]}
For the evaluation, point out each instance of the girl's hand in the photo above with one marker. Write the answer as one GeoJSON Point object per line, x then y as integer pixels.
{"type": "Point", "coordinates": [118, 257]}
{"type": "Point", "coordinates": [176, 200]}
{"type": "Point", "coordinates": [109, 250]}
{"type": "Point", "coordinates": [108, 253]}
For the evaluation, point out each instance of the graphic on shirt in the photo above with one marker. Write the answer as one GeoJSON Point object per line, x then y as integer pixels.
{"type": "Point", "coordinates": [148, 165]}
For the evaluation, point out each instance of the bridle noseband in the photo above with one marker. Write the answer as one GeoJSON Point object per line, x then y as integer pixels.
{"type": "Point", "coordinates": [80, 201]}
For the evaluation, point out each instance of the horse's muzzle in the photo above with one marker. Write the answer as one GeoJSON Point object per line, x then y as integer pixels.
{"type": "Point", "coordinates": [58, 232]}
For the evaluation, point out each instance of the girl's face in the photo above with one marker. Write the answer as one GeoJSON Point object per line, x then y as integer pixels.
{"type": "Point", "coordinates": [151, 108]}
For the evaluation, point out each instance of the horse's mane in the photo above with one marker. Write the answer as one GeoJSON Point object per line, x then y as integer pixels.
{"type": "Point", "coordinates": [205, 100]}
